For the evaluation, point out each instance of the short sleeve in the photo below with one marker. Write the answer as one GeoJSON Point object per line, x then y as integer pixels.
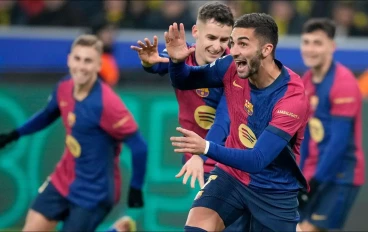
{"type": "Point", "coordinates": [345, 98]}
{"type": "Point", "coordinates": [289, 115]}
{"type": "Point", "coordinates": [116, 119]}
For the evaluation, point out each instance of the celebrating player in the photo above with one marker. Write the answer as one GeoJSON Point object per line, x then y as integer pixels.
{"type": "Point", "coordinates": [257, 174]}
{"type": "Point", "coordinates": [86, 182]}
{"type": "Point", "coordinates": [332, 157]}
{"type": "Point", "coordinates": [200, 109]}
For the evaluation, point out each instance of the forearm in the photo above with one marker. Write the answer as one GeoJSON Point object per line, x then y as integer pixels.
{"type": "Point", "coordinates": [139, 150]}
{"type": "Point", "coordinates": [187, 77]}
{"type": "Point", "coordinates": [38, 122]}
{"type": "Point", "coordinates": [254, 160]}
{"type": "Point", "coordinates": [159, 68]}
{"type": "Point", "coordinates": [341, 135]}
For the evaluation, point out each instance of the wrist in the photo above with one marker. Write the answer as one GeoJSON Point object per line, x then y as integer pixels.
{"type": "Point", "coordinates": [146, 64]}
{"type": "Point", "coordinates": [14, 135]}
{"type": "Point", "coordinates": [176, 61]}
{"type": "Point", "coordinates": [207, 147]}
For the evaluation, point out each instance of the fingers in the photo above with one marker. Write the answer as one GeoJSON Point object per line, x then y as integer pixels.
{"type": "Point", "coordinates": [185, 150]}
{"type": "Point", "coordinates": [141, 44]}
{"type": "Point", "coordinates": [185, 132]}
{"type": "Point", "coordinates": [186, 177]}
{"type": "Point", "coordinates": [182, 171]}
{"type": "Point", "coordinates": [182, 32]}
{"type": "Point", "coordinates": [148, 42]}
{"type": "Point", "coordinates": [137, 49]}
{"type": "Point", "coordinates": [175, 31]}
{"type": "Point", "coordinates": [193, 180]}
{"type": "Point", "coordinates": [191, 50]}
{"type": "Point", "coordinates": [164, 60]}
{"type": "Point", "coordinates": [201, 179]}
{"type": "Point", "coordinates": [155, 41]}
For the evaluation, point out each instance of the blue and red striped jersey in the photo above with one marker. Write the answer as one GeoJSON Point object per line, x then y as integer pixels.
{"type": "Point", "coordinates": [88, 173]}
{"type": "Point", "coordinates": [332, 149]}
{"type": "Point", "coordinates": [279, 111]}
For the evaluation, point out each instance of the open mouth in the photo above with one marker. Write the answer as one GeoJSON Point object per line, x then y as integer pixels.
{"type": "Point", "coordinates": [241, 63]}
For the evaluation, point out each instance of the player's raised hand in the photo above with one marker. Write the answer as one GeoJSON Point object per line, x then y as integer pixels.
{"type": "Point", "coordinates": [176, 45]}
{"type": "Point", "coordinates": [190, 143]}
{"type": "Point", "coordinates": [148, 53]}
{"type": "Point", "coordinates": [193, 167]}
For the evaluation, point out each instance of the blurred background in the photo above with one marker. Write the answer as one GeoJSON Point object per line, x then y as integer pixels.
{"type": "Point", "coordinates": [35, 37]}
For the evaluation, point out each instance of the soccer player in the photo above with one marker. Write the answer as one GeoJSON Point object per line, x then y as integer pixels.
{"type": "Point", "coordinates": [199, 109]}
{"type": "Point", "coordinates": [332, 157]}
{"type": "Point", "coordinates": [86, 182]}
{"type": "Point", "coordinates": [257, 174]}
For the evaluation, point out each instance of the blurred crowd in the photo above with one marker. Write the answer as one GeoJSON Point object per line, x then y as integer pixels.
{"type": "Point", "coordinates": [350, 16]}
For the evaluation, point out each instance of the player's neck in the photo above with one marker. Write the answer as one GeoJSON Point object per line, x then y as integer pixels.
{"type": "Point", "coordinates": [80, 92]}
{"type": "Point", "coordinates": [198, 59]}
{"type": "Point", "coordinates": [320, 72]}
{"type": "Point", "coordinates": [267, 74]}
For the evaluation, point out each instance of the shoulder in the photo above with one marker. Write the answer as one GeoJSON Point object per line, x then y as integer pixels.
{"type": "Point", "coordinates": [109, 97]}
{"type": "Point", "coordinates": [344, 74]}
{"type": "Point", "coordinates": [344, 80]}
{"type": "Point", "coordinates": [294, 82]}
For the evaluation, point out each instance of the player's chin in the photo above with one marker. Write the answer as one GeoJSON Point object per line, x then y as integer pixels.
{"type": "Point", "coordinates": [243, 75]}
{"type": "Point", "coordinates": [311, 63]}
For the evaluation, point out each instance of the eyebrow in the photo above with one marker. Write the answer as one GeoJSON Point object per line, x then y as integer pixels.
{"type": "Point", "coordinates": [240, 38]}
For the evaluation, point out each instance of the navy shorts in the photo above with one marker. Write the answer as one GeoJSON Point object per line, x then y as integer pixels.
{"type": "Point", "coordinates": [260, 210]}
{"type": "Point", "coordinates": [330, 206]}
{"type": "Point", "coordinates": [241, 224]}
{"type": "Point", "coordinates": [51, 204]}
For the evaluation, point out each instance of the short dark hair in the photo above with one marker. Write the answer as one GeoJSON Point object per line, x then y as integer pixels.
{"type": "Point", "coordinates": [264, 26]}
{"type": "Point", "coordinates": [324, 24]}
{"type": "Point", "coordinates": [220, 12]}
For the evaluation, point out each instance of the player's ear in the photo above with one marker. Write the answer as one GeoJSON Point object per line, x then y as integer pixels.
{"type": "Point", "coordinates": [267, 50]}
{"type": "Point", "coordinates": [195, 31]}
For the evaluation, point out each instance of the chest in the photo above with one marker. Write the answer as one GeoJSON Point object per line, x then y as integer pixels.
{"type": "Point", "coordinates": [250, 110]}
{"type": "Point", "coordinates": [198, 97]}
{"type": "Point", "coordinates": [319, 99]}
{"type": "Point", "coordinates": [79, 117]}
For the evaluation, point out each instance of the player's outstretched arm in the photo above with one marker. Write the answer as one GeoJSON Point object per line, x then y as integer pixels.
{"type": "Point", "coordinates": [36, 123]}
{"type": "Point", "coordinates": [289, 116]}
{"type": "Point", "coordinates": [267, 148]}
{"type": "Point", "coordinates": [152, 61]}
{"type": "Point", "coordinates": [138, 147]}
{"type": "Point", "coordinates": [119, 123]}
{"type": "Point", "coordinates": [346, 102]}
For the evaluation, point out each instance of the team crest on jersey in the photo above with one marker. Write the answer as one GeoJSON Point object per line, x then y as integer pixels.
{"type": "Point", "coordinates": [203, 92]}
{"type": "Point", "coordinates": [313, 102]}
{"type": "Point", "coordinates": [73, 146]}
{"type": "Point", "coordinates": [248, 107]}
{"type": "Point", "coordinates": [71, 119]}
{"type": "Point", "coordinates": [317, 132]}
{"type": "Point", "coordinates": [247, 136]}
{"type": "Point", "coordinates": [205, 116]}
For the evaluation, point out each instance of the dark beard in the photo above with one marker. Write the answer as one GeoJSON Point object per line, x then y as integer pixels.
{"type": "Point", "coordinates": [254, 64]}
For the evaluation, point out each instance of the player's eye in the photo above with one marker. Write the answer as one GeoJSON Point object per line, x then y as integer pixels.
{"type": "Point", "coordinates": [242, 44]}
{"type": "Point", "coordinates": [224, 40]}
{"type": "Point", "coordinates": [231, 44]}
